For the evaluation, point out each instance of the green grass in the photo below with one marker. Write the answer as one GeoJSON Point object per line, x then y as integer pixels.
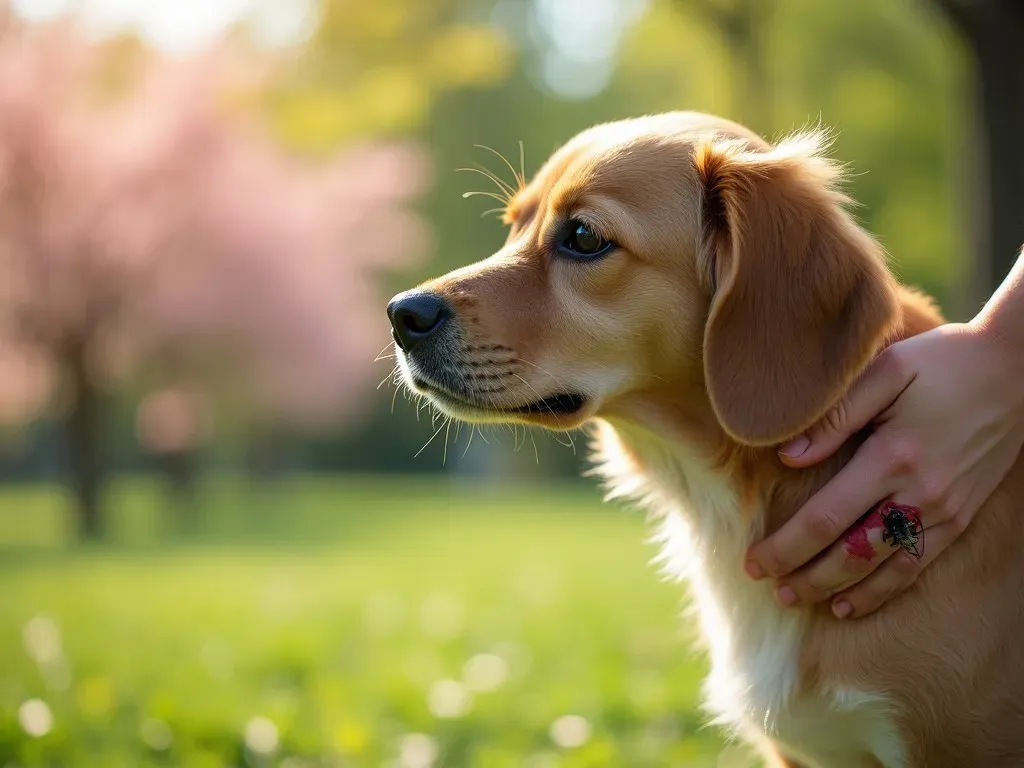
{"type": "Point", "coordinates": [331, 610]}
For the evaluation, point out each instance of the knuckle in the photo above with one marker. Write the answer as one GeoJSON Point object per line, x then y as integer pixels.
{"type": "Point", "coordinates": [907, 567]}
{"type": "Point", "coordinates": [823, 527]}
{"type": "Point", "coordinates": [773, 563]}
{"type": "Point", "coordinates": [811, 589]}
{"type": "Point", "coordinates": [858, 566]}
{"type": "Point", "coordinates": [958, 522]}
{"type": "Point", "coordinates": [837, 419]}
{"type": "Point", "coordinates": [933, 495]}
{"type": "Point", "coordinates": [901, 456]}
{"type": "Point", "coordinates": [891, 366]}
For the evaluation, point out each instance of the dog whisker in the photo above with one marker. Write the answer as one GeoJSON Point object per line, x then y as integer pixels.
{"type": "Point", "coordinates": [436, 433]}
{"type": "Point", "coordinates": [444, 455]}
{"type": "Point", "coordinates": [539, 398]}
{"type": "Point", "coordinates": [504, 186]}
{"type": "Point", "coordinates": [542, 370]}
{"type": "Point", "coordinates": [385, 348]}
{"type": "Point", "coordinates": [472, 431]}
{"type": "Point", "coordinates": [522, 165]}
{"type": "Point", "coordinates": [491, 195]}
{"type": "Point", "coordinates": [390, 376]}
{"type": "Point", "coordinates": [393, 398]}
{"type": "Point", "coordinates": [520, 178]}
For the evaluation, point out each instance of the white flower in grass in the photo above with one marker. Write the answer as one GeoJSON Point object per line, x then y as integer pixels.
{"type": "Point", "coordinates": [418, 750]}
{"type": "Point", "coordinates": [41, 637]}
{"type": "Point", "coordinates": [541, 760]}
{"type": "Point", "coordinates": [485, 672]}
{"type": "Point", "coordinates": [35, 717]}
{"type": "Point", "coordinates": [448, 699]}
{"type": "Point", "coordinates": [156, 734]}
{"type": "Point", "coordinates": [516, 658]}
{"type": "Point", "coordinates": [570, 731]}
{"type": "Point", "coordinates": [261, 736]}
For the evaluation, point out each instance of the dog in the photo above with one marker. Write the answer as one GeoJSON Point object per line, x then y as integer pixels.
{"type": "Point", "coordinates": [697, 296]}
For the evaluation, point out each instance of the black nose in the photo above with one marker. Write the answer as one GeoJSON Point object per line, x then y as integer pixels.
{"type": "Point", "coordinates": [416, 316]}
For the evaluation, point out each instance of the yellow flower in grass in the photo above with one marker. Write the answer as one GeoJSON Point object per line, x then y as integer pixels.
{"type": "Point", "coordinates": [95, 696]}
{"type": "Point", "coordinates": [351, 738]}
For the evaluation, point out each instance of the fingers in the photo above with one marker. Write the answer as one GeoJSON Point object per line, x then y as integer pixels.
{"type": "Point", "coordinates": [876, 389]}
{"type": "Point", "coordinates": [896, 573]}
{"type": "Point", "coordinates": [858, 553]}
{"type": "Point", "coordinates": [825, 517]}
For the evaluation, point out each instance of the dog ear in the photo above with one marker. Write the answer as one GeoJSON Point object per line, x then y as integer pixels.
{"type": "Point", "coordinates": [802, 299]}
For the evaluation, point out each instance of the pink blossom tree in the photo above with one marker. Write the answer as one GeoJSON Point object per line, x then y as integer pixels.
{"type": "Point", "coordinates": [149, 232]}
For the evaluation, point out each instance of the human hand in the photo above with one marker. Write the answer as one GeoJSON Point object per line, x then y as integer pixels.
{"type": "Point", "coordinates": [947, 408]}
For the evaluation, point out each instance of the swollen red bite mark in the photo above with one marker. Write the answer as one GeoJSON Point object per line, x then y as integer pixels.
{"type": "Point", "coordinates": [858, 544]}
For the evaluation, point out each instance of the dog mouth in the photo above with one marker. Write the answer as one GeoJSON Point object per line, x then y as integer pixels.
{"type": "Point", "coordinates": [558, 405]}
{"type": "Point", "coordinates": [565, 404]}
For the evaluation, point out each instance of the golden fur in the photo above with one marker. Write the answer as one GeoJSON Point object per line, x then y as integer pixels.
{"type": "Point", "coordinates": [741, 303]}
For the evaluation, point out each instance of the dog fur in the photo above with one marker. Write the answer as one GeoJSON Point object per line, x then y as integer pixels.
{"type": "Point", "coordinates": [741, 302]}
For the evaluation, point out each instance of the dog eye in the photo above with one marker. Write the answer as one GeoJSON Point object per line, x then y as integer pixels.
{"type": "Point", "coordinates": [583, 242]}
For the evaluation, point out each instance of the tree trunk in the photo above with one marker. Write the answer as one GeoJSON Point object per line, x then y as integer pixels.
{"type": "Point", "coordinates": [742, 26]}
{"type": "Point", "coordinates": [994, 31]}
{"type": "Point", "coordinates": [181, 470]}
{"type": "Point", "coordinates": [84, 432]}
{"type": "Point", "coordinates": [745, 36]}
{"type": "Point", "coordinates": [998, 46]}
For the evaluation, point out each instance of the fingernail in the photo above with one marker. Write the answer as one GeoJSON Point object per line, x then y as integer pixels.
{"type": "Point", "coordinates": [786, 596]}
{"type": "Point", "coordinates": [795, 447]}
{"type": "Point", "coordinates": [842, 609]}
{"type": "Point", "coordinates": [753, 570]}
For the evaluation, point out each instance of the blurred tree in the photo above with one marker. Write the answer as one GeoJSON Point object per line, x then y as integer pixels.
{"type": "Point", "coordinates": [994, 33]}
{"type": "Point", "coordinates": [377, 68]}
{"type": "Point", "coordinates": [743, 25]}
{"type": "Point", "coordinates": [171, 423]}
{"type": "Point", "coordinates": [147, 232]}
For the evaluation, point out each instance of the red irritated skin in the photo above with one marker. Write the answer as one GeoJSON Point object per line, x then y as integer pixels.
{"type": "Point", "coordinates": [864, 540]}
{"type": "Point", "coordinates": [858, 540]}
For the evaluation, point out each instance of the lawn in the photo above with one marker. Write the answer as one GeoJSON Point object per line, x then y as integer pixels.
{"type": "Point", "coordinates": [348, 622]}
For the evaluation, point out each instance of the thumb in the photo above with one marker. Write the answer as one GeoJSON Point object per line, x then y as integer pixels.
{"type": "Point", "coordinates": [881, 383]}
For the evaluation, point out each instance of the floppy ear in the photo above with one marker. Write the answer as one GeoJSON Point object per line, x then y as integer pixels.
{"type": "Point", "coordinates": [802, 298]}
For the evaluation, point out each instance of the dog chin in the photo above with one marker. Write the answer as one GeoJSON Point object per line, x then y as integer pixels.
{"type": "Point", "coordinates": [564, 411]}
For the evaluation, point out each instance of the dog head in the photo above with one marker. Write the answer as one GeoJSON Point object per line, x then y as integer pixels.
{"type": "Point", "coordinates": [668, 263]}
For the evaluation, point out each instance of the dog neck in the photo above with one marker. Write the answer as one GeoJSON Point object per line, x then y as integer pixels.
{"type": "Point", "coordinates": [668, 458]}
{"type": "Point", "coordinates": [710, 500]}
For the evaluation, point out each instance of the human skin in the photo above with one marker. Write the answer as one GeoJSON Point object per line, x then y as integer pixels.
{"type": "Point", "coordinates": [946, 411]}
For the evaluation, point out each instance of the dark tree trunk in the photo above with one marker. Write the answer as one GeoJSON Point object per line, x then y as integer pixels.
{"type": "Point", "coordinates": [84, 432]}
{"type": "Point", "coordinates": [741, 25]}
{"type": "Point", "coordinates": [181, 469]}
{"type": "Point", "coordinates": [266, 454]}
{"type": "Point", "coordinates": [999, 53]}
{"type": "Point", "coordinates": [994, 31]}
{"type": "Point", "coordinates": [744, 32]}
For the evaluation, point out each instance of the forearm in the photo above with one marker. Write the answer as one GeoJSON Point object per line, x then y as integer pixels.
{"type": "Point", "coordinates": [1003, 315]}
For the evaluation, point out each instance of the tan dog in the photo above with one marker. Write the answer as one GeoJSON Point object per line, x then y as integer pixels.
{"type": "Point", "coordinates": [701, 297]}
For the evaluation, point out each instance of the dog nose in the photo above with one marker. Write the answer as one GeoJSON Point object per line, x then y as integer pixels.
{"type": "Point", "coordinates": [416, 316]}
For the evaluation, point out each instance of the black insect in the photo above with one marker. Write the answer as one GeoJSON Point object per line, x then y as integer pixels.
{"type": "Point", "coordinates": [903, 528]}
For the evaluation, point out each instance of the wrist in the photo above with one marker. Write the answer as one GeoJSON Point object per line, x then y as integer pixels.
{"type": "Point", "coordinates": [1002, 318]}
{"type": "Point", "coordinates": [1002, 364]}
{"type": "Point", "coordinates": [1006, 338]}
